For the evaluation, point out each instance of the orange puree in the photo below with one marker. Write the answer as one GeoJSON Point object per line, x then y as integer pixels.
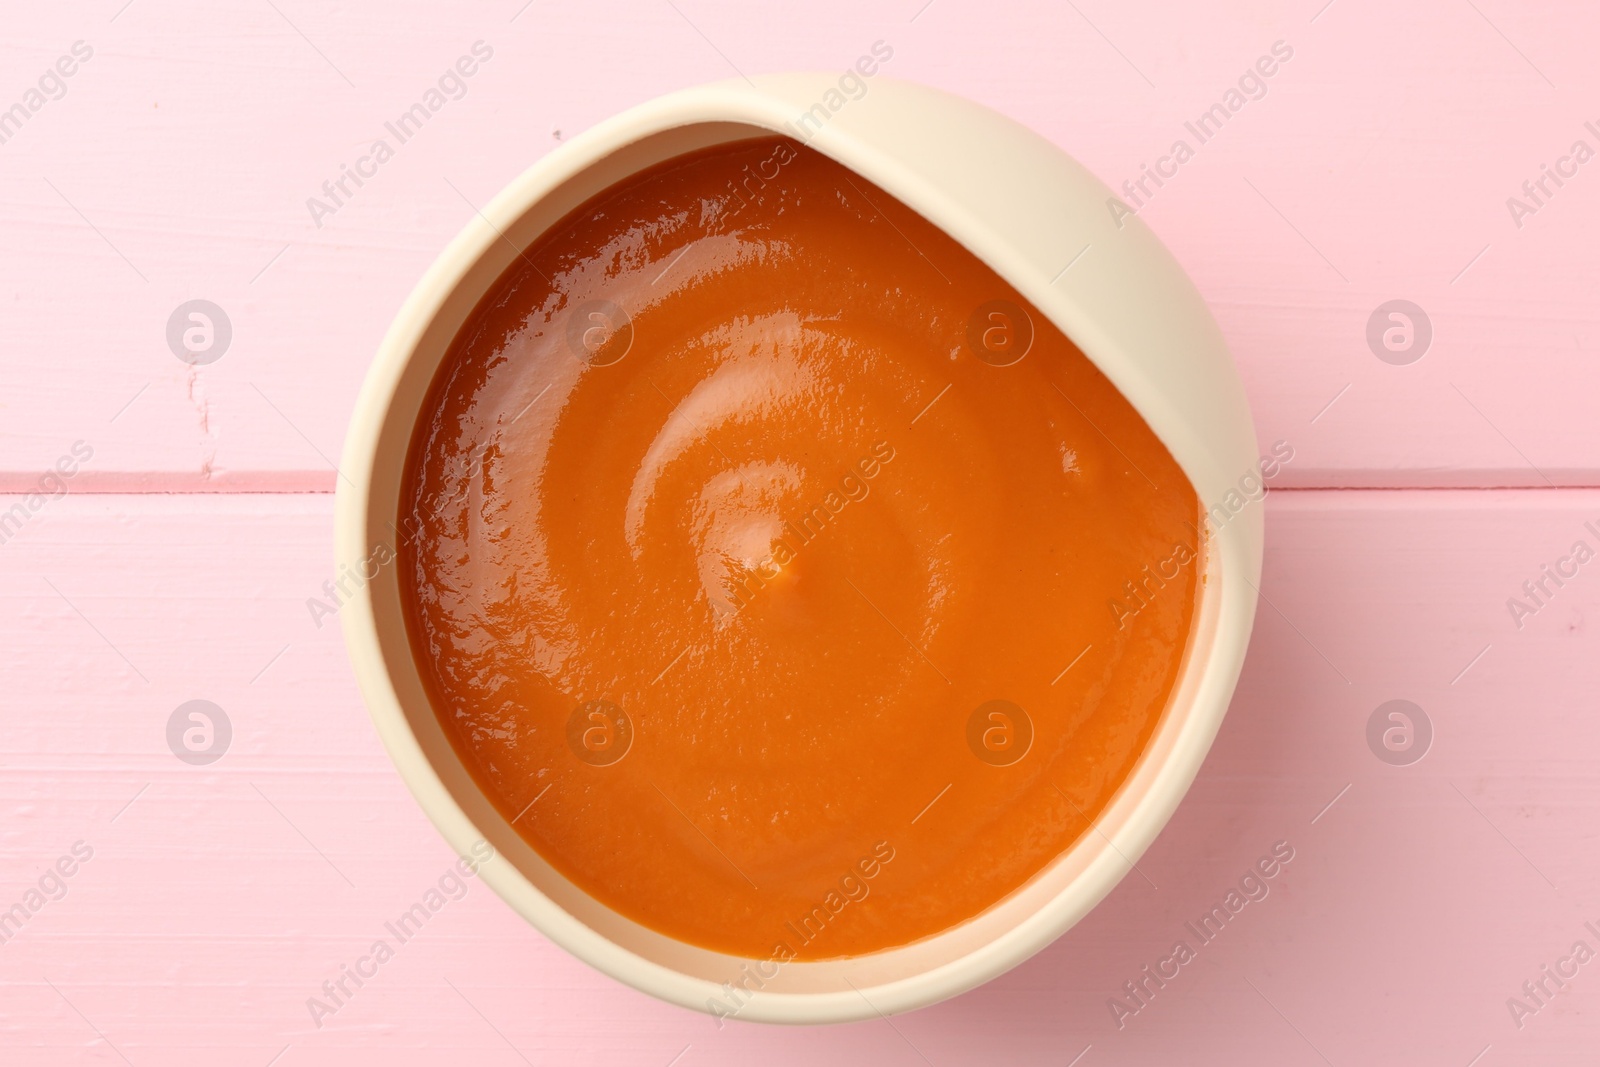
{"type": "Point", "coordinates": [794, 586]}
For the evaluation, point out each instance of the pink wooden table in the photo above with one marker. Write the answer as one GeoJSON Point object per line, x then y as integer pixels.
{"type": "Point", "coordinates": [206, 903]}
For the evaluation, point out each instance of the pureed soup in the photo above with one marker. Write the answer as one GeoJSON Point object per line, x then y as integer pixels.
{"type": "Point", "coordinates": [792, 586]}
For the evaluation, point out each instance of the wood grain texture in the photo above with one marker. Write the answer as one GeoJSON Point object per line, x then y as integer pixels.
{"type": "Point", "coordinates": [221, 897]}
{"type": "Point", "coordinates": [177, 165]}
{"type": "Point", "coordinates": [1377, 166]}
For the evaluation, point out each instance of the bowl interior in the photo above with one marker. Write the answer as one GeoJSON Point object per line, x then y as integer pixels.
{"type": "Point", "coordinates": [1054, 899]}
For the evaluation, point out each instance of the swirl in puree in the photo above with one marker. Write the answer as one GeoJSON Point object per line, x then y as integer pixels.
{"type": "Point", "coordinates": [792, 584]}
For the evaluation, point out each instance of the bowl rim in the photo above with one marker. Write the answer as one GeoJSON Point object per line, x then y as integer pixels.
{"type": "Point", "coordinates": [1129, 824]}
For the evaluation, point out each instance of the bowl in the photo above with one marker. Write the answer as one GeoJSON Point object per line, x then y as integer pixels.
{"type": "Point", "coordinates": [1046, 226]}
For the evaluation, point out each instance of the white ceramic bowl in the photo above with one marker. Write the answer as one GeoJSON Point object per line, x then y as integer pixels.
{"type": "Point", "coordinates": [1026, 209]}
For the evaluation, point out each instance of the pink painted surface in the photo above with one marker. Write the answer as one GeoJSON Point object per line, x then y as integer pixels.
{"type": "Point", "coordinates": [221, 897]}
{"type": "Point", "coordinates": [1377, 166]}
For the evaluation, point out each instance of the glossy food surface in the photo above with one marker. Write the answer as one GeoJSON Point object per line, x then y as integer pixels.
{"type": "Point", "coordinates": [795, 587]}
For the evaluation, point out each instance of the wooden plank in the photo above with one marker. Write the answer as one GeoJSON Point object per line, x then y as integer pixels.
{"type": "Point", "coordinates": [1377, 166]}
{"type": "Point", "coordinates": [220, 897]}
